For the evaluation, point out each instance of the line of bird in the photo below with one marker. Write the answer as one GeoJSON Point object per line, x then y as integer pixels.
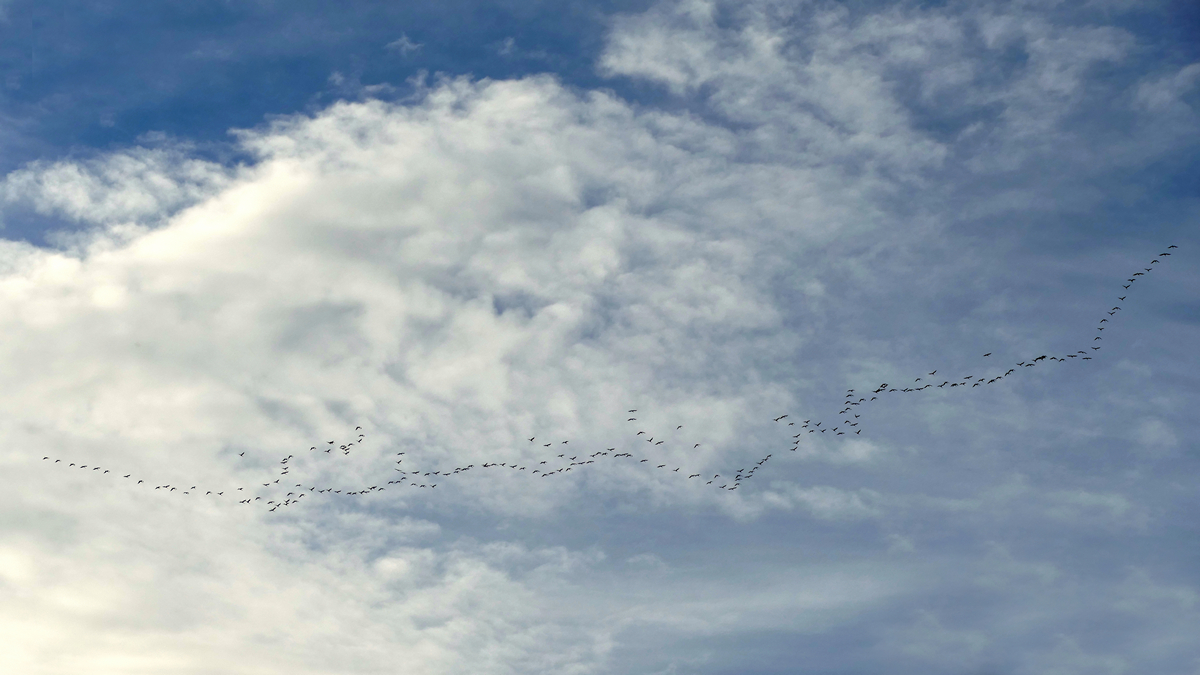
{"type": "Point", "coordinates": [250, 494]}
{"type": "Point", "coordinates": [852, 400]}
{"type": "Point", "coordinates": [560, 464]}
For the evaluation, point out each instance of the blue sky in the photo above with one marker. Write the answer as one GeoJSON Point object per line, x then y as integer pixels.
{"type": "Point", "coordinates": [94, 75]}
{"type": "Point", "coordinates": [232, 233]}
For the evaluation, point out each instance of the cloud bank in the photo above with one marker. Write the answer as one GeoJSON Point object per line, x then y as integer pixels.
{"type": "Point", "coordinates": [825, 199]}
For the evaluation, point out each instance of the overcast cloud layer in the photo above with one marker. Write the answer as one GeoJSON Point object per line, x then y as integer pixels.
{"type": "Point", "coordinates": [766, 204]}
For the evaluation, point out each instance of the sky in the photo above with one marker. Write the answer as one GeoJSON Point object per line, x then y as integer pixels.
{"type": "Point", "coordinates": [625, 281]}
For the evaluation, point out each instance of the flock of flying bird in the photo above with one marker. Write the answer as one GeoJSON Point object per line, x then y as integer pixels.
{"type": "Point", "coordinates": [848, 421]}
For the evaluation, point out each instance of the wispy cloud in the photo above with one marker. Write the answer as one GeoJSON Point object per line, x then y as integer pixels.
{"type": "Point", "coordinates": [404, 45]}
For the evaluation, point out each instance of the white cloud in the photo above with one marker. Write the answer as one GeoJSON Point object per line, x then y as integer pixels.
{"type": "Point", "coordinates": [931, 640]}
{"type": "Point", "coordinates": [1084, 508]}
{"type": "Point", "coordinates": [1156, 436]}
{"type": "Point", "coordinates": [824, 84]}
{"type": "Point", "coordinates": [403, 44]}
{"type": "Point", "coordinates": [1164, 92]}
{"type": "Point", "coordinates": [824, 100]}
{"type": "Point", "coordinates": [130, 186]}
{"type": "Point", "coordinates": [504, 260]}
{"type": "Point", "coordinates": [824, 502]}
